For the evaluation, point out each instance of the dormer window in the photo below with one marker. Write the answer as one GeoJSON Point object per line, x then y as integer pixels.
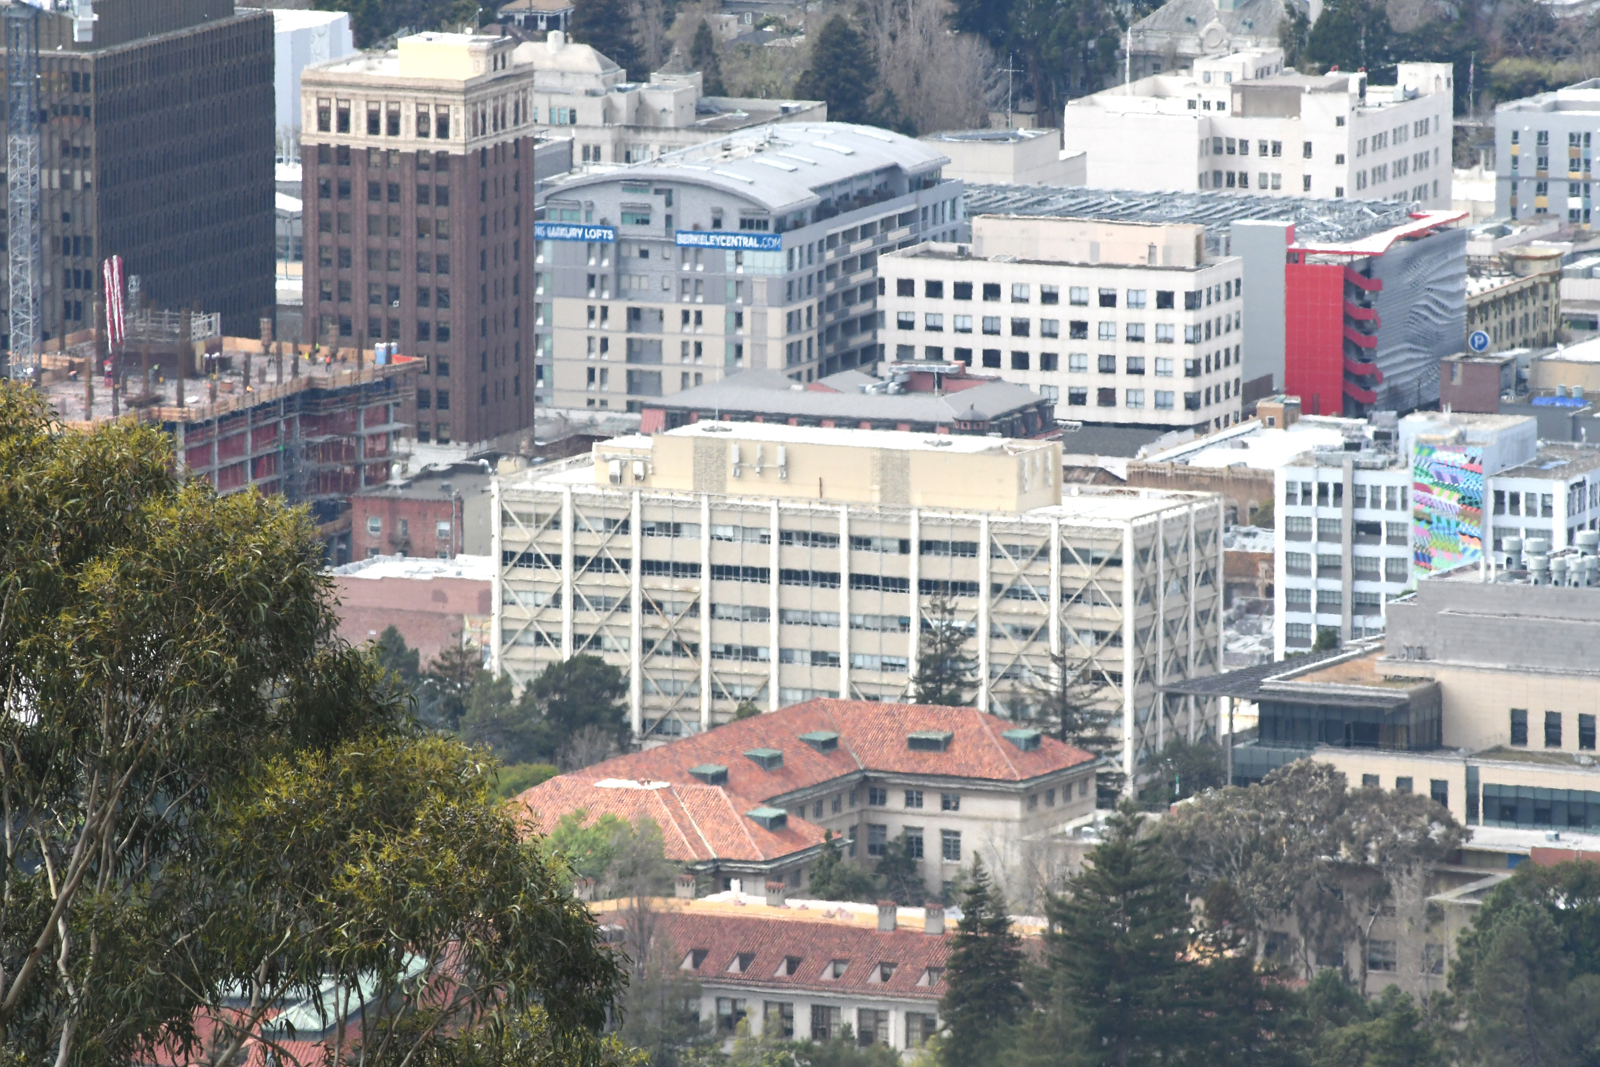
{"type": "Point", "coordinates": [882, 973]}
{"type": "Point", "coordinates": [788, 967]}
{"type": "Point", "coordinates": [931, 976]}
{"type": "Point", "coordinates": [693, 959]}
{"type": "Point", "coordinates": [741, 962]}
{"type": "Point", "coordinates": [835, 969]}
{"type": "Point", "coordinates": [929, 740]}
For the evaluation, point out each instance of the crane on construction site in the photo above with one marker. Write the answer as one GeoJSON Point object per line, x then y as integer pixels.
{"type": "Point", "coordinates": [24, 149]}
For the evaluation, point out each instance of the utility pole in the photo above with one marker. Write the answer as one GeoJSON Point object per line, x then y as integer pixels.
{"type": "Point", "coordinates": [1011, 71]}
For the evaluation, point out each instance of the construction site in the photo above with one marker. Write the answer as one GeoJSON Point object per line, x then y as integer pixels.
{"type": "Point", "coordinates": [314, 425]}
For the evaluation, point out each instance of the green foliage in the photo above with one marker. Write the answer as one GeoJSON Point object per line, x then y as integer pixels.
{"type": "Point", "coordinates": [1353, 35]}
{"type": "Point", "coordinates": [983, 999]}
{"type": "Point", "coordinates": [582, 693]}
{"type": "Point", "coordinates": [1527, 972]}
{"type": "Point", "coordinates": [746, 710]}
{"type": "Point", "coordinates": [516, 778]}
{"type": "Point", "coordinates": [1327, 639]}
{"type": "Point", "coordinates": [373, 21]}
{"type": "Point", "coordinates": [448, 684]}
{"type": "Point", "coordinates": [763, 1051]}
{"type": "Point", "coordinates": [1515, 77]}
{"type": "Point", "coordinates": [589, 848]}
{"type": "Point", "coordinates": [1264, 516]}
{"type": "Point", "coordinates": [623, 859]}
{"type": "Point", "coordinates": [608, 26]}
{"type": "Point", "coordinates": [843, 72]}
{"type": "Point", "coordinates": [703, 57]}
{"type": "Point", "coordinates": [832, 878]}
{"type": "Point", "coordinates": [209, 796]}
{"type": "Point", "coordinates": [945, 670]}
{"type": "Point", "coordinates": [900, 874]}
{"type": "Point", "coordinates": [395, 655]}
{"type": "Point", "coordinates": [1356, 1032]}
{"type": "Point", "coordinates": [1183, 769]}
{"type": "Point", "coordinates": [1065, 47]}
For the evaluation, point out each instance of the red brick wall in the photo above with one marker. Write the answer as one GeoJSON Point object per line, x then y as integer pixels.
{"type": "Point", "coordinates": [420, 536]}
{"type": "Point", "coordinates": [427, 611]}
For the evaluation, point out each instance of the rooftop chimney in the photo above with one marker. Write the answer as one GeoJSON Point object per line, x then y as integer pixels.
{"type": "Point", "coordinates": [888, 915]}
{"type": "Point", "coordinates": [934, 923]}
{"type": "Point", "coordinates": [776, 891]}
{"type": "Point", "coordinates": [683, 888]}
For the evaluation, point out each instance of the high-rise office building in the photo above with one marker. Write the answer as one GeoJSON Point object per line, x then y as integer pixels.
{"type": "Point", "coordinates": [418, 189]}
{"type": "Point", "coordinates": [157, 145]}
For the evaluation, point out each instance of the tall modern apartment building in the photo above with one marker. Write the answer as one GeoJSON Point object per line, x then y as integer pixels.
{"type": "Point", "coordinates": [1543, 148]}
{"type": "Point", "coordinates": [1118, 322]}
{"type": "Point", "coordinates": [1244, 122]}
{"type": "Point", "coordinates": [417, 170]}
{"type": "Point", "coordinates": [759, 250]}
{"type": "Point", "coordinates": [724, 562]}
{"type": "Point", "coordinates": [157, 145]}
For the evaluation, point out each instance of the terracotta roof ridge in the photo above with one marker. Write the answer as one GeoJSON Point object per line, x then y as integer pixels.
{"type": "Point", "coordinates": [833, 724]}
{"type": "Point", "coordinates": [688, 846]}
{"type": "Point", "coordinates": [711, 852]}
{"type": "Point", "coordinates": [999, 746]}
{"type": "Point", "coordinates": [743, 824]}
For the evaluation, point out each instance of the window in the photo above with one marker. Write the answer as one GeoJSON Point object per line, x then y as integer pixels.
{"type": "Point", "coordinates": [1077, 397]}
{"type": "Point", "coordinates": [933, 290]}
{"type": "Point", "coordinates": [961, 290]}
{"type": "Point", "coordinates": [778, 1017]}
{"type": "Point", "coordinates": [1019, 293]}
{"type": "Point", "coordinates": [1049, 294]}
{"type": "Point", "coordinates": [1164, 399]}
{"type": "Point", "coordinates": [1078, 330]}
{"type": "Point", "coordinates": [913, 798]}
{"type": "Point", "coordinates": [920, 1027]}
{"type": "Point", "coordinates": [877, 797]}
{"type": "Point", "coordinates": [991, 357]}
{"type": "Point", "coordinates": [1078, 295]}
{"type": "Point", "coordinates": [913, 839]}
{"type": "Point", "coordinates": [441, 529]}
{"type": "Point", "coordinates": [877, 839]}
{"type": "Point", "coordinates": [991, 325]}
{"type": "Point", "coordinates": [873, 1026]}
{"type": "Point", "coordinates": [1020, 327]}
{"type": "Point", "coordinates": [1135, 331]}
{"type": "Point", "coordinates": [952, 801]}
{"type": "Point", "coordinates": [1019, 361]}
{"type": "Point", "coordinates": [1586, 732]}
{"type": "Point", "coordinates": [1106, 398]}
{"type": "Point", "coordinates": [950, 845]}
{"type": "Point", "coordinates": [1164, 299]}
{"type": "Point", "coordinates": [1519, 726]}
{"type": "Point", "coordinates": [1552, 729]}
{"type": "Point", "coordinates": [1108, 331]}
{"type": "Point", "coordinates": [905, 287]}
{"type": "Point", "coordinates": [1135, 364]}
{"type": "Point", "coordinates": [933, 323]}
{"type": "Point", "coordinates": [991, 291]}
{"type": "Point", "coordinates": [1439, 791]}
{"type": "Point", "coordinates": [374, 526]}
{"type": "Point", "coordinates": [826, 1022]}
{"type": "Point", "coordinates": [1136, 298]}
{"type": "Point", "coordinates": [1135, 398]}
{"type": "Point", "coordinates": [1381, 955]}
{"type": "Point", "coordinates": [1165, 333]}
{"type": "Point", "coordinates": [730, 1010]}
{"type": "Point", "coordinates": [905, 320]}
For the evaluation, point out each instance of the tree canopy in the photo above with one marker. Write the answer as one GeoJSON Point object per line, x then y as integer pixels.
{"type": "Point", "coordinates": [211, 800]}
{"type": "Point", "coordinates": [945, 668]}
{"type": "Point", "coordinates": [843, 72]}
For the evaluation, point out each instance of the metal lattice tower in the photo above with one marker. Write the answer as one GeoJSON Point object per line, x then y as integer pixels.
{"type": "Point", "coordinates": [25, 258]}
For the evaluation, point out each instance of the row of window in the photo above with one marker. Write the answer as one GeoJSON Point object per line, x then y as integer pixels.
{"type": "Point", "coordinates": [339, 155]}
{"type": "Point", "coordinates": [828, 1023]}
{"type": "Point", "coordinates": [1331, 494]}
{"type": "Point", "coordinates": [1331, 601]}
{"type": "Point", "coordinates": [878, 842]}
{"type": "Point", "coordinates": [1298, 528]}
{"type": "Point", "coordinates": [375, 527]}
{"type": "Point", "coordinates": [1395, 569]}
{"type": "Point", "coordinates": [1077, 295]}
{"type": "Point", "coordinates": [1552, 729]}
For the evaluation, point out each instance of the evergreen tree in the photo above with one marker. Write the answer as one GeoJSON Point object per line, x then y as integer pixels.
{"type": "Point", "coordinates": [832, 878]}
{"type": "Point", "coordinates": [395, 655]}
{"type": "Point", "coordinates": [1182, 769]}
{"type": "Point", "coordinates": [1352, 35]}
{"type": "Point", "coordinates": [572, 695]}
{"type": "Point", "coordinates": [703, 56]}
{"type": "Point", "coordinates": [1388, 1032]}
{"type": "Point", "coordinates": [945, 670]}
{"type": "Point", "coordinates": [983, 997]}
{"type": "Point", "coordinates": [607, 26]}
{"type": "Point", "coordinates": [449, 684]}
{"type": "Point", "coordinates": [843, 72]}
{"type": "Point", "coordinates": [901, 874]}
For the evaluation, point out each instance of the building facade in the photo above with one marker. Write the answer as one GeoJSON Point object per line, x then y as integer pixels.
{"type": "Point", "coordinates": [1176, 34]}
{"type": "Point", "coordinates": [302, 39]}
{"type": "Point", "coordinates": [1243, 122]}
{"type": "Point", "coordinates": [1542, 153]}
{"type": "Point", "coordinates": [418, 174]}
{"type": "Point", "coordinates": [749, 802]}
{"type": "Point", "coordinates": [758, 251]}
{"type": "Point", "coordinates": [1360, 524]}
{"type": "Point", "coordinates": [1517, 302]}
{"type": "Point", "coordinates": [1122, 323]}
{"type": "Point", "coordinates": [728, 562]}
{"type": "Point", "coordinates": [156, 144]}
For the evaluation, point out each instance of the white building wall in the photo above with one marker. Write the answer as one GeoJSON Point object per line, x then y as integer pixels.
{"type": "Point", "coordinates": [302, 39]}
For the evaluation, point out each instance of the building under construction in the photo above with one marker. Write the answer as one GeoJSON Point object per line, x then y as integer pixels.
{"type": "Point", "coordinates": [313, 426]}
{"type": "Point", "coordinates": [153, 140]}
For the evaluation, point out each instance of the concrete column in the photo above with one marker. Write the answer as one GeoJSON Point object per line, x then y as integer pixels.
{"type": "Point", "coordinates": [1055, 587]}
{"type": "Point", "coordinates": [566, 572]}
{"type": "Point", "coordinates": [635, 618]}
{"type": "Point", "coordinates": [1160, 550]}
{"type": "Point", "coordinates": [1129, 721]}
{"type": "Point", "coordinates": [983, 612]}
{"type": "Point", "coordinates": [497, 591]}
{"type": "Point", "coordinates": [1346, 542]}
{"type": "Point", "coordinates": [914, 570]}
{"type": "Point", "coordinates": [705, 612]}
{"type": "Point", "coordinates": [844, 601]}
{"type": "Point", "coordinates": [774, 630]}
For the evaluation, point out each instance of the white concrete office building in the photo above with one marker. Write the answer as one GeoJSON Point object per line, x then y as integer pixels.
{"type": "Point", "coordinates": [1120, 323]}
{"type": "Point", "coordinates": [1245, 122]}
{"type": "Point", "coordinates": [728, 562]}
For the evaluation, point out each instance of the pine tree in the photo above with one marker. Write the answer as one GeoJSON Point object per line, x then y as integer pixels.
{"type": "Point", "coordinates": [983, 997]}
{"type": "Point", "coordinates": [843, 72]}
{"type": "Point", "coordinates": [902, 874]}
{"type": "Point", "coordinates": [395, 655]}
{"type": "Point", "coordinates": [607, 26]}
{"type": "Point", "coordinates": [834, 879]}
{"type": "Point", "coordinates": [703, 55]}
{"type": "Point", "coordinates": [944, 668]}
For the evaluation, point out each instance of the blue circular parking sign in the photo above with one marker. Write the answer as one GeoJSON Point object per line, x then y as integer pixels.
{"type": "Point", "coordinates": [1478, 341]}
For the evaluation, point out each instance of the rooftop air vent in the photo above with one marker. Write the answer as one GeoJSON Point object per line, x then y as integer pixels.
{"type": "Point", "coordinates": [929, 740]}
{"type": "Point", "coordinates": [822, 740]}
{"type": "Point", "coordinates": [771, 818]}
{"type": "Point", "coordinates": [711, 773]}
{"type": "Point", "coordinates": [768, 759]}
{"type": "Point", "coordinates": [1026, 740]}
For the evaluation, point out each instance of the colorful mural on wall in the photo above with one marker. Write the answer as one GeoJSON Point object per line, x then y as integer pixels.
{"type": "Point", "coordinates": [1446, 507]}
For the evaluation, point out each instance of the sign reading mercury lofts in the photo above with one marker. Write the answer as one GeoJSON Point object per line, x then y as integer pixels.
{"type": "Point", "coordinates": [572, 231]}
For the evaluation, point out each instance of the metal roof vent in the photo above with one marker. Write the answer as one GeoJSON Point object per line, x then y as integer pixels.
{"type": "Point", "coordinates": [770, 818]}
{"type": "Point", "coordinates": [768, 759]}
{"type": "Point", "coordinates": [929, 740]}
{"type": "Point", "coordinates": [711, 773]}
{"type": "Point", "coordinates": [822, 740]}
{"type": "Point", "coordinates": [1026, 740]}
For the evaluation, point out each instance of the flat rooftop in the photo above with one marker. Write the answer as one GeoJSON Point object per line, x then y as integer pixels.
{"type": "Point", "coordinates": [1316, 222]}
{"type": "Point", "coordinates": [1557, 462]}
{"type": "Point", "coordinates": [1252, 445]}
{"type": "Point", "coordinates": [782, 433]}
{"type": "Point", "coordinates": [418, 568]}
{"type": "Point", "coordinates": [1362, 670]}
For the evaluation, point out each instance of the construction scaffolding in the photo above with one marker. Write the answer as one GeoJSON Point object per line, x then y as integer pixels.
{"type": "Point", "coordinates": [24, 243]}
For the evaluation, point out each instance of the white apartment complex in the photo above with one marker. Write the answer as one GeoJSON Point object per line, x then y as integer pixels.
{"type": "Point", "coordinates": [1117, 322]}
{"type": "Point", "coordinates": [1245, 122]}
{"type": "Point", "coordinates": [723, 562]}
{"type": "Point", "coordinates": [1358, 524]}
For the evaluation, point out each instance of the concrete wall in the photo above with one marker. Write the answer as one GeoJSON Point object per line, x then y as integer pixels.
{"type": "Point", "coordinates": [429, 612]}
{"type": "Point", "coordinates": [1262, 245]}
{"type": "Point", "coordinates": [1244, 488]}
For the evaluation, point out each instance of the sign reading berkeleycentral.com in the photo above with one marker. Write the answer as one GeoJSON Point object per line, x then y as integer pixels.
{"type": "Point", "coordinates": [742, 242]}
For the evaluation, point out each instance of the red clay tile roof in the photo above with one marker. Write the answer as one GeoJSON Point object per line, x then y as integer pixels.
{"type": "Point", "coordinates": [698, 822]}
{"type": "Point", "coordinates": [817, 942]}
{"type": "Point", "coordinates": [872, 737]}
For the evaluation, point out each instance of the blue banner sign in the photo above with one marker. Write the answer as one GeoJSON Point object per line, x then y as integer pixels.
{"type": "Point", "coordinates": [741, 242]}
{"type": "Point", "coordinates": [572, 231]}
